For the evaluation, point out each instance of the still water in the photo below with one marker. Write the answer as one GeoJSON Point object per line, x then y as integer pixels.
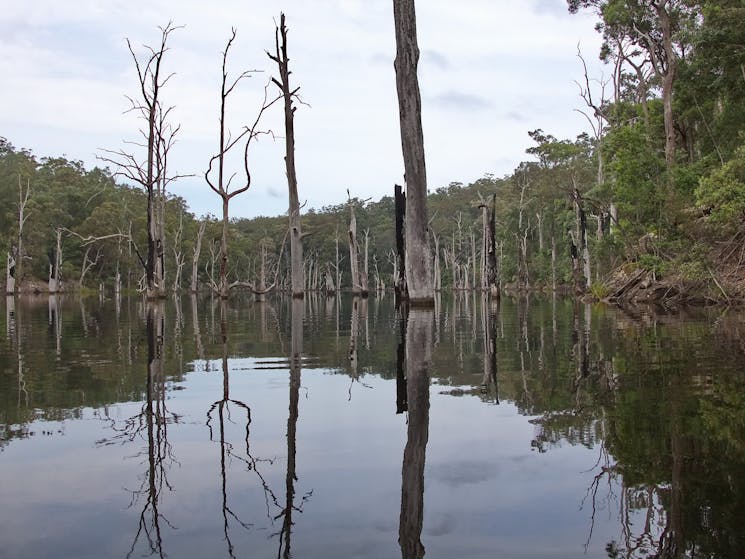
{"type": "Point", "coordinates": [340, 428]}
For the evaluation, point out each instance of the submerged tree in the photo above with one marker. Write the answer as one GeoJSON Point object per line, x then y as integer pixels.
{"type": "Point", "coordinates": [150, 171]}
{"type": "Point", "coordinates": [288, 94]}
{"type": "Point", "coordinates": [221, 184]}
{"type": "Point", "coordinates": [418, 266]}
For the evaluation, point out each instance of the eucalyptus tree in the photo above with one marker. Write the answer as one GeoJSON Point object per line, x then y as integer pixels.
{"type": "Point", "coordinates": [655, 31]}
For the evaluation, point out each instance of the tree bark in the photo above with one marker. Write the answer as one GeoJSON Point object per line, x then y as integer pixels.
{"type": "Point", "coordinates": [296, 233]}
{"type": "Point", "coordinates": [419, 267]}
{"type": "Point", "coordinates": [400, 209]}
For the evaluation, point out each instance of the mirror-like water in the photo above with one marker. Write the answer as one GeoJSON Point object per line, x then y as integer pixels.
{"type": "Point", "coordinates": [340, 428]}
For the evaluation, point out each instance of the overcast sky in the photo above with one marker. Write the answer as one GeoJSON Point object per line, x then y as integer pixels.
{"type": "Point", "coordinates": [490, 71]}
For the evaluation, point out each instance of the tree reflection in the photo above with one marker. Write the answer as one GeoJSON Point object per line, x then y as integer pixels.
{"type": "Point", "coordinates": [489, 312]}
{"type": "Point", "coordinates": [227, 450]}
{"type": "Point", "coordinates": [151, 425]}
{"type": "Point", "coordinates": [296, 353]}
{"type": "Point", "coordinates": [419, 326]}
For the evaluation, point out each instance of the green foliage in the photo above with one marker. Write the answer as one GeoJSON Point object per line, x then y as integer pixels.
{"type": "Point", "coordinates": [599, 290]}
{"type": "Point", "coordinates": [723, 192]}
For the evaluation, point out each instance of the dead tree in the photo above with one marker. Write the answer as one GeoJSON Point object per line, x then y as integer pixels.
{"type": "Point", "coordinates": [55, 262]}
{"type": "Point", "coordinates": [15, 256]}
{"type": "Point", "coordinates": [399, 276]}
{"type": "Point", "coordinates": [288, 94]}
{"type": "Point", "coordinates": [489, 282]}
{"type": "Point", "coordinates": [178, 254]}
{"type": "Point", "coordinates": [195, 256]}
{"type": "Point", "coordinates": [150, 171]}
{"type": "Point", "coordinates": [359, 276]}
{"type": "Point", "coordinates": [418, 267]}
{"type": "Point", "coordinates": [221, 184]}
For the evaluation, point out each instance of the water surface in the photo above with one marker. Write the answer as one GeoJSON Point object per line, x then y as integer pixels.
{"type": "Point", "coordinates": [344, 428]}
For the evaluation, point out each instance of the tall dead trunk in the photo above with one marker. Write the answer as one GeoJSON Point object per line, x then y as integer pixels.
{"type": "Point", "coordinates": [436, 263]}
{"type": "Point", "coordinates": [151, 173]}
{"type": "Point", "coordinates": [10, 272]}
{"type": "Point", "coordinates": [488, 248]}
{"type": "Point", "coordinates": [195, 257]}
{"type": "Point", "coordinates": [399, 279]}
{"type": "Point", "coordinates": [221, 184]}
{"type": "Point", "coordinates": [359, 277]}
{"type": "Point", "coordinates": [55, 262]}
{"type": "Point", "coordinates": [296, 233]}
{"type": "Point", "coordinates": [583, 251]}
{"type": "Point", "coordinates": [14, 269]}
{"type": "Point", "coordinates": [419, 267]}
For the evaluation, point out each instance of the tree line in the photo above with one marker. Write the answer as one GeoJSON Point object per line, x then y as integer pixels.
{"type": "Point", "coordinates": [653, 192]}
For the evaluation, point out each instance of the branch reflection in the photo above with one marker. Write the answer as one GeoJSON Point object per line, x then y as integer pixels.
{"type": "Point", "coordinates": [226, 448]}
{"type": "Point", "coordinates": [151, 425]}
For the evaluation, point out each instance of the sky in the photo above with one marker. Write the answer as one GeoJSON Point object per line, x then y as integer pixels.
{"type": "Point", "coordinates": [489, 72]}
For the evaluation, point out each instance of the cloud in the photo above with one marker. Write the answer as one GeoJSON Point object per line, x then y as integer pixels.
{"type": "Point", "coordinates": [274, 193]}
{"type": "Point", "coordinates": [556, 8]}
{"type": "Point", "coordinates": [436, 59]}
{"type": "Point", "coordinates": [514, 116]}
{"type": "Point", "coordinates": [463, 101]}
{"type": "Point", "coordinates": [457, 474]}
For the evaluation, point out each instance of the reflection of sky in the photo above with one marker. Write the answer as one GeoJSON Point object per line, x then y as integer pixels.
{"type": "Point", "coordinates": [486, 493]}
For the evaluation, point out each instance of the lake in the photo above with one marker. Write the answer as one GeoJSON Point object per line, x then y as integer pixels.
{"type": "Point", "coordinates": [345, 428]}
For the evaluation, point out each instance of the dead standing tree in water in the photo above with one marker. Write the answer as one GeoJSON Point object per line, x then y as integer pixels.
{"type": "Point", "coordinates": [15, 256]}
{"type": "Point", "coordinates": [296, 233]}
{"type": "Point", "coordinates": [418, 267]}
{"type": "Point", "coordinates": [150, 173]}
{"type": "Point", "coordinates": [489, 273]}
{"type": "Point", "coordinates": [221, 185]}
{"type": "Point", "coordinates": [359, 275]}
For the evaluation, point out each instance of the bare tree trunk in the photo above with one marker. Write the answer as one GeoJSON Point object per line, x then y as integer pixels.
{"type": "Point", "coordinates": [296, 233]}
{"type": "Point", "coordinates": [88, 263]}
{"type": "Point", "coordinates": [489, 282]}
{"type": "Point", "coordinates": [581, 239]}
{"type": "Point", "coordinates": [553, 263]}
{"type": "Point", "coordinates": [222, 184]}
{"type": "Point", "coordinates": [359, 278]}
{"type": "Point", "coordinates": [338, 278]}
{"type": "Point", "coordinates": [437, 271]}
{"type": "Point", "coordinates": [151, 173]}
{"type": "Point", "coordinates": [55, 283]}
{"type": "Point", "coordinates": [419, 267]}
{"type": "Point", "coordinates": [14, 275]}
{"type": "Point", "coordinates": [195, 257]}
{"type": "Point", "coordinates": [10, 273]}
{"type": "Point", "coordinates": [366, 269]}
{"type": "Point", "coordinates": [178, 255]}
{"type": "Point", "coordinates": [399, 278]}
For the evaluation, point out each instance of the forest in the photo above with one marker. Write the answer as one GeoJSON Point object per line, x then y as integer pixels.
{"type": "Point", "coordinates": [648, 204]}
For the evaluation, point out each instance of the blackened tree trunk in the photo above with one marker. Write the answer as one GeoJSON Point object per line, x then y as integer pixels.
{"type": "Point", "coordinates": [296, 233]}
{"type": "Point", "coordinates": [400, 263]}
{"type": "Point", "coordinates": [419, 267]}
